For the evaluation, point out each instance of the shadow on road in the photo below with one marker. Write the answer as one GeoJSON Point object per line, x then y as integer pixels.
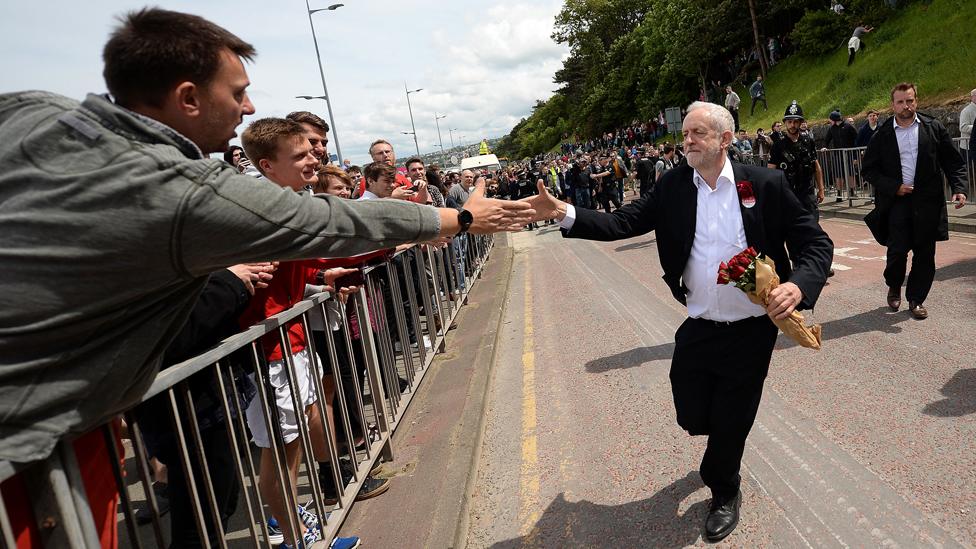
{"type": "Point", "coordinates": [653, 522]}
{"type": "Point", "coordinates": [959, 269]}
{"type": "Point", "coordinates": [635, 245]}
{"type": "Point", "coordinates": [876, 320]}
{"type": "Point", "coordinates": [631, 358]}
{"type": "Point", "coordinates": [960, 396]}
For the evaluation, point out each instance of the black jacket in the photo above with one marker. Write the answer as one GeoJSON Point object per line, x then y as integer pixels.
{"type": "Point", "coordinates": [840, 136]}
{"type": "Point", "coordinates": [881, 167]}
{"type": "Point", "coordinates": [775, 222]}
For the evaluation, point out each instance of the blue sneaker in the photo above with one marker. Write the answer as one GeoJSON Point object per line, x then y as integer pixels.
{"type": "Point", "coordinates": [308, 518]}
{"type": "Point", "coordinates": [308, 539]}
{"type": "Point", "coordinates": [274, 532]}
{"type": "Point", "coordinates": [351, 542]}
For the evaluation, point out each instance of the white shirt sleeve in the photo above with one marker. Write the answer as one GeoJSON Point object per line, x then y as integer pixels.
{"type": "Point", "coordinates": [570, 218]}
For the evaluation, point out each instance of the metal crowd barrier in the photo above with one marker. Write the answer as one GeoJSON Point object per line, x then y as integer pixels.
{"type": "Point", "coordinates": [842, 170]}
{"type": "Point", "coordinates": [380, 346]}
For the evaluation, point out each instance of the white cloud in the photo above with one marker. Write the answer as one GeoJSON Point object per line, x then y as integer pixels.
{"type": "Point", "coordinates": [482, 67]}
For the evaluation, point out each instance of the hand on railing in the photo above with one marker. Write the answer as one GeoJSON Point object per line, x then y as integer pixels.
{"type": "Point", "coordinates": [254, 275]}
{"type": "Point", "coordinates": [342, 282]}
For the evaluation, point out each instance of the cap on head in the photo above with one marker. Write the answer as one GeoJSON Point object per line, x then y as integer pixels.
{"type": "Point", "coordinates": [973, 93]}
{"type": "Point", "coordinates": [793, 112]}
{"type": "Point", "coordinates": [835, 116]}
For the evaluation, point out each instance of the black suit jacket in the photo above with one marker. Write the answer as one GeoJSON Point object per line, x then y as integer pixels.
{"type": "Point", "coordinates": [881, 167]}
{"type": "Point", "coordinates": [777, 221]}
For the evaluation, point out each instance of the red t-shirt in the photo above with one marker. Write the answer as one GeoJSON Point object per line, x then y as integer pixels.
{"type": "Point", "coordinates": [287, 288]}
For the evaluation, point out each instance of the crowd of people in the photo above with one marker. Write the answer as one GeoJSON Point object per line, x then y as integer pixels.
{"type": "Point", "coordinates": [163, 252]}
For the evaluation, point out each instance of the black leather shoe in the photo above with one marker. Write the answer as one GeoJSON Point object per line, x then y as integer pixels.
{"type": "Point", "coordinates": [917, 310]}
{"type": "Point", "coordinates": [723, 516]}
{"type": "Point", "coordinates": [894, 298]}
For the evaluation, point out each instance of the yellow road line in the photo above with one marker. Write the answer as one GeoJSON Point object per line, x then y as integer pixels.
{"type": "Point", "coordinates": [529, 477]}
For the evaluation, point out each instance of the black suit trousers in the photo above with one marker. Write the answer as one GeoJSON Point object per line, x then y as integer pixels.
{"type": "Point", "coordinates": [901, 240]}
{"type": "Point", "coordinates": [717, 375]}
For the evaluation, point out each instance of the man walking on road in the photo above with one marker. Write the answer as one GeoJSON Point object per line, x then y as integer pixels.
{"type": "Point", "coordinates": [758, 93]}
{"type": "Point", "coordinates": [905, 161]}
{"type": "Point", "coordinates": [704, 213]}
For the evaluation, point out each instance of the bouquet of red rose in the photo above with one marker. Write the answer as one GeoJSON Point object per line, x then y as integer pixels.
{"type": "Point", "coordinates": [756, 276]}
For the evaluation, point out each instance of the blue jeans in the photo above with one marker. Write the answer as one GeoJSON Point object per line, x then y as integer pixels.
{"type": "Point", "coordinates": [620, 190]}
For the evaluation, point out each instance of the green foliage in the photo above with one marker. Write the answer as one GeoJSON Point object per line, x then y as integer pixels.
{"type": "Point", "coordinates": [904, 47]}
{"type": "Point", "coordinates": [631, 58]}
{"type": "Point", "coordinates": [820, 32]}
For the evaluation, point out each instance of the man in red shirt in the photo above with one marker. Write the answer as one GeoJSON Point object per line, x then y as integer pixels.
{"type": "Point", "coordinates": [281, 152]}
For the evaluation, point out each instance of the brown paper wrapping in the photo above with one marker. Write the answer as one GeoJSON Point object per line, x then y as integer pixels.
{"type": "Point", "coordinates": [792, 326]}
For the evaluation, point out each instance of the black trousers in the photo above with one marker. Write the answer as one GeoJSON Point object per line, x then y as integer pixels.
{"type": "Point", "coordinates": [735, 118]}
{"type": "Point", "coordinates": [717, 375]}
{"type": "Point", "coordinates": [223, 474]}
{"type": "Point", "coordinates": [756, 100]}
{"type": "Point", "coordinates": [607, 198]}
{"type": "Point", "coordinates": [901, 240]}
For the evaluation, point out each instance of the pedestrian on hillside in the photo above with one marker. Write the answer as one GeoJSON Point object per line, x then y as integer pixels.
{"type": "Point", "coordinates": [732, 102]}
{"type": "Point", "coordinates": [699, 221]}
{"type": "Point", "coordinates": [855, 44]}
{"type": "Point", "coordinates": [868, 130]}
{"type": "Point", "coordinates": [758, 93]}
{"type": "Point", "coordinates": [906, 161]}
{"type": "Point", "coordinates": [841, 135]}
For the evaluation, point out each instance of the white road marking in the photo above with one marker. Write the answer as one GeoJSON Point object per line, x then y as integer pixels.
{"type": "Point", "coordinates": [845, 252]}
{"type": "Point", "coordinates": [839, 267]}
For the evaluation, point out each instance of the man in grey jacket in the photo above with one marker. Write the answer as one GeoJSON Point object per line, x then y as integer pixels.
{"type": "Point", "coordinates": [113, 217]}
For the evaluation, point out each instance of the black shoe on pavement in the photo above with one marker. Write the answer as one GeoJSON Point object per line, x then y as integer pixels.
{"type": "Point", "coordinates": [371, 487]}
{"type": "Point", "coordinates": [723, 516]}
{"type": "Point", "coordinates": [144, 515]}
{"type": "Point", "coordinates": [830, 273]}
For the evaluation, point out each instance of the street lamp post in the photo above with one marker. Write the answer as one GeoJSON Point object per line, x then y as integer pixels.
{"type": "Point", "coordinates": [409, 108]}
{"type": "Point", "coordinates": [451, 131]}
{"type": "Point", "coordinates": [439, 138]}
{"type": "Point", "coordinates": [325, 89]}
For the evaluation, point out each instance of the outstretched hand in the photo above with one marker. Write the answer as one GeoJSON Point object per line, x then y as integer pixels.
{"type": "Point", "coordinates": [492, 215]}
{"type": "Point", "coordinates": [545, 205]}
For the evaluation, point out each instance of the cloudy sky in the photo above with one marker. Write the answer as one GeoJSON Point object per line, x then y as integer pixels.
{"type": "Point", "coordinates": [483, 64]}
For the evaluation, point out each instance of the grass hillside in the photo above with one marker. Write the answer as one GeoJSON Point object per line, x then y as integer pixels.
{"type": "Point", "coordinates": [932, 46]}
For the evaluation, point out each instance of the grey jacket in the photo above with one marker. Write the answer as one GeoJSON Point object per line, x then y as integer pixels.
{"type": "Point", "coordinates": [110, 224]}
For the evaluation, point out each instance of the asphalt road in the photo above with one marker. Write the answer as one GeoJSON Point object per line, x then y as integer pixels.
{"type": "Point", "coordinates": [870, 442]}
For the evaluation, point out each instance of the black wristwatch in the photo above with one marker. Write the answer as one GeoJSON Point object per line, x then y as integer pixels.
{"type": "Point", "coordinates": [465, 219]}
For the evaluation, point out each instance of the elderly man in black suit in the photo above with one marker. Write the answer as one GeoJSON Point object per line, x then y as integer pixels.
{"type": "Point", "coordinates": [905, 161]}
{"type": "Point", "coordinates": [704, 213]}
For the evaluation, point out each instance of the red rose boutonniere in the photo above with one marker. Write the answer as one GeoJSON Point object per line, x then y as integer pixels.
{"type": "Point", "coordinates": [746, 196]}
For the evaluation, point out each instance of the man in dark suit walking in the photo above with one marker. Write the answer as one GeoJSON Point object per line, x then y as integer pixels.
{"type": "Point", "coordinates": [905, 161]}
{"type": "Point", "coordinates": [704, 213]}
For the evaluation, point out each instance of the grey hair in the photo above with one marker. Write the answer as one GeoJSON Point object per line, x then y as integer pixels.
{"type": "Point", "coordinates": [720, 117]}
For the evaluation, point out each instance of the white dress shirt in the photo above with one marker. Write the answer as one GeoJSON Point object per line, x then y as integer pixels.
{"type": "Point", "coordinates": [719, 235]}
{"type": "Point", "coordinates": [907, 149]}
{"type": "Point", "coordinates": [368, 196]}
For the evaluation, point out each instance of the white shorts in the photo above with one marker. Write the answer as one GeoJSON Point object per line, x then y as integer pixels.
{"type": "Point", "coordinates": [287, 418]}
{"type": "Point", "coordinates": [854, 43]}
